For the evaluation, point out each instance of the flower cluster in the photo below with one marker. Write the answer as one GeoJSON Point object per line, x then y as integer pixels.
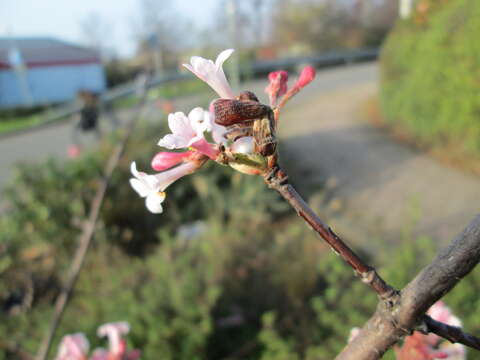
{"type": "Point", "coordinates": [201, 136]}
{"type": "Point", "coordinates": [428, 347]}
{"type": "Point", "coordinates": [76, 346]}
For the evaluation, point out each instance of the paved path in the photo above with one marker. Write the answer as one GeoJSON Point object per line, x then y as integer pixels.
{"type": "Point", "coordinates": [376, 187]}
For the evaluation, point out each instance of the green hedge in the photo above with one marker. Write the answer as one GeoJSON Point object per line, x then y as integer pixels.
{"type": "Point", "coordinates": [430, 76]}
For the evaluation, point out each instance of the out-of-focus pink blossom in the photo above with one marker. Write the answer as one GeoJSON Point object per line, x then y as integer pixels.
{"type": "Point", "coordinates": [73, 151]}
{"type": "Point", "coordinates": [165, 160]}
{"type": "Point", "coordinates": [278, 85]}
{"type": "Point", "coordinates": [212, 73]}
{"type": "Point", "coordinates": [306, 77]}
{"type": "Point", "coordinates": [73, 347]}
{"type": "Point", "coordinates": [114, 332]}
{"type": "Point", "coordinates": [99, 354]}
{"type": "Point", "coordinates": [117, 348]}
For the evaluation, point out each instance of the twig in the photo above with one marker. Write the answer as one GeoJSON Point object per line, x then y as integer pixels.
{"type": "Point", "coordinates": [451, 333]}
{"type": "Point", "coordinates": [388, 325]}
{"type": "Point", "coordinates": [398, 313]}
{"type": "Point", "coordinates": [367, 273]}
{"type": "Point", "coordinates": [86, 236]}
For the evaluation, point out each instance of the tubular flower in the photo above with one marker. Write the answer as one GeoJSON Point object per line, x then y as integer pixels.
{"type": "Point", "coordinates": [152, 187]}
{"type": "Point", "coordinates": [73, 347]}
{"type": "Point", "coordinates": [212, 73]}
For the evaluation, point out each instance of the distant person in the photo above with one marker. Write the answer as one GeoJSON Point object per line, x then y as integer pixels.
{"type": "Point", "coordinates": [85, 121]}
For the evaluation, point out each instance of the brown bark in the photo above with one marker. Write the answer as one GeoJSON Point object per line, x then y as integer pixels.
{"type": "Point", "coordinates": [398, 313]}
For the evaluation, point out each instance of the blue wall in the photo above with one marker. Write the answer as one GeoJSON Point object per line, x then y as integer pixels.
{"type": "Point", "coordinates": [50, 84]}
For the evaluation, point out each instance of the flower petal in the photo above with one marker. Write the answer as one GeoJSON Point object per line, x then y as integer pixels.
{"type": "Point", "coordinates": [224, 55]}
{"type": "Point", "coordinates": [139, 187]}
{"type": "Point", "coordinates": [212, 73]}
{"type": "Point", "coordinates": [133, 169]}
{"type": "Point", "coordinates": [154, 202]}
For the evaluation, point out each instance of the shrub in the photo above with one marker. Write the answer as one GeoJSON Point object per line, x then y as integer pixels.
{"type": "Point", "coordinates": [430, 75]}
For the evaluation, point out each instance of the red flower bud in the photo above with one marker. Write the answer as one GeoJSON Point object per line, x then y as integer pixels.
{"type": "Point", "coordinates": [306, 77]}
{"type": "Point", "coordinates": [278, 85]}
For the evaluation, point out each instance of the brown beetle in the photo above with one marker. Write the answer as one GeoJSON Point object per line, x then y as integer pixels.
{"type": "Point", "coordinates": [246, 116]}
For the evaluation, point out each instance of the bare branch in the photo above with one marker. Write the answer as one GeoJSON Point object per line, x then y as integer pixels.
{"type": "Point", "coordinates": [367, 273]}
{"type": "Point", "coordinates": [393, 321]}
{"type": "Point", "coordinates": [451, 333]}
{"type": "Point", "coordinates": [86, 236]}
{"type": "Point", "coordinates": [398, 313]}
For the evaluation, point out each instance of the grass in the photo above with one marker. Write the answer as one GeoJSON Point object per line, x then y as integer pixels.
{"type": "Point", "coordinates": [14, 124]}
{"type": "Point", "coordinates": [183, 88]}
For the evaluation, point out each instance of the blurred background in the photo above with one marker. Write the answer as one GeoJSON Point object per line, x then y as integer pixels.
{"type": "Point", "coordinates": [384, 144]}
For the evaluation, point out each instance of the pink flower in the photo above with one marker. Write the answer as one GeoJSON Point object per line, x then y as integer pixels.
{"type": "Point", "coordinates": [73, 347]}
{"type": "Point", "coordinates": [152, 187]}
{"type": "Point", "coordinates": [306, 77]}
{"type": "Point", "coordinates": [73, 151]}
{"type": "Point", "coordinates": [188, 132]}
{"type": "Point", "coordinates": [212, 73]}
{"type": "Point", "coordinates": [185, 130]}
{"type": "Point", "coordinates": [278, 85]}
{"type": "Point", "coordinates": [114, 332]}
{"type": "Point", "coordinates": [117, 347]}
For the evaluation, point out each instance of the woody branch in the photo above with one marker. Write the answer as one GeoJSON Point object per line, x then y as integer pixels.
{"type": "Point", "coordinates": [398, 313]}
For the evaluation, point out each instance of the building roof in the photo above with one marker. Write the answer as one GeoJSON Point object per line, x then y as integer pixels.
{"type": "Point", "coordinates": [44, 51]}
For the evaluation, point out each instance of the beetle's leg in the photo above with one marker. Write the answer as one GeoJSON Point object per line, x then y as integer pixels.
{"type": "Point", "coordinates": [236, 131]}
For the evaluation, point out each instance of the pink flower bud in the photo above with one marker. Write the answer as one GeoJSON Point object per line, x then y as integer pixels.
{"type": "Point", "coordinates": [165, 160]}
{"type": "Point", "coordinates": [278, 85]}
{"type": "Point", "coordinates": [306, 77]}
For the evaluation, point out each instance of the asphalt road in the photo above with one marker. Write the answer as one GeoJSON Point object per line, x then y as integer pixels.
{"type": "Point", "coordinates": [39, 144]}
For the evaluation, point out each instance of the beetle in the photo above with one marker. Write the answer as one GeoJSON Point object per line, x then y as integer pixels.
{"type": "Point", "coordinates": [246, 116]}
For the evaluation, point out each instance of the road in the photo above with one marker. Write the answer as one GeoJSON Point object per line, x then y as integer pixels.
{"type": "Point", "coordinates": [378, 190]}
{"type": "Point", "coordinates": [54, 140]}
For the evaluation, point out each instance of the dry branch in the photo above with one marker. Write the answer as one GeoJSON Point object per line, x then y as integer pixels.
{"type": "Point", "coordinates": [86, 236]}
{"type": "Point", "coordinates": [398, 314]}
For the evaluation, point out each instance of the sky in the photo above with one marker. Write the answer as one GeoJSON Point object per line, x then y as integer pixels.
{"type": "Point", "coordinates": [62, 18]}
